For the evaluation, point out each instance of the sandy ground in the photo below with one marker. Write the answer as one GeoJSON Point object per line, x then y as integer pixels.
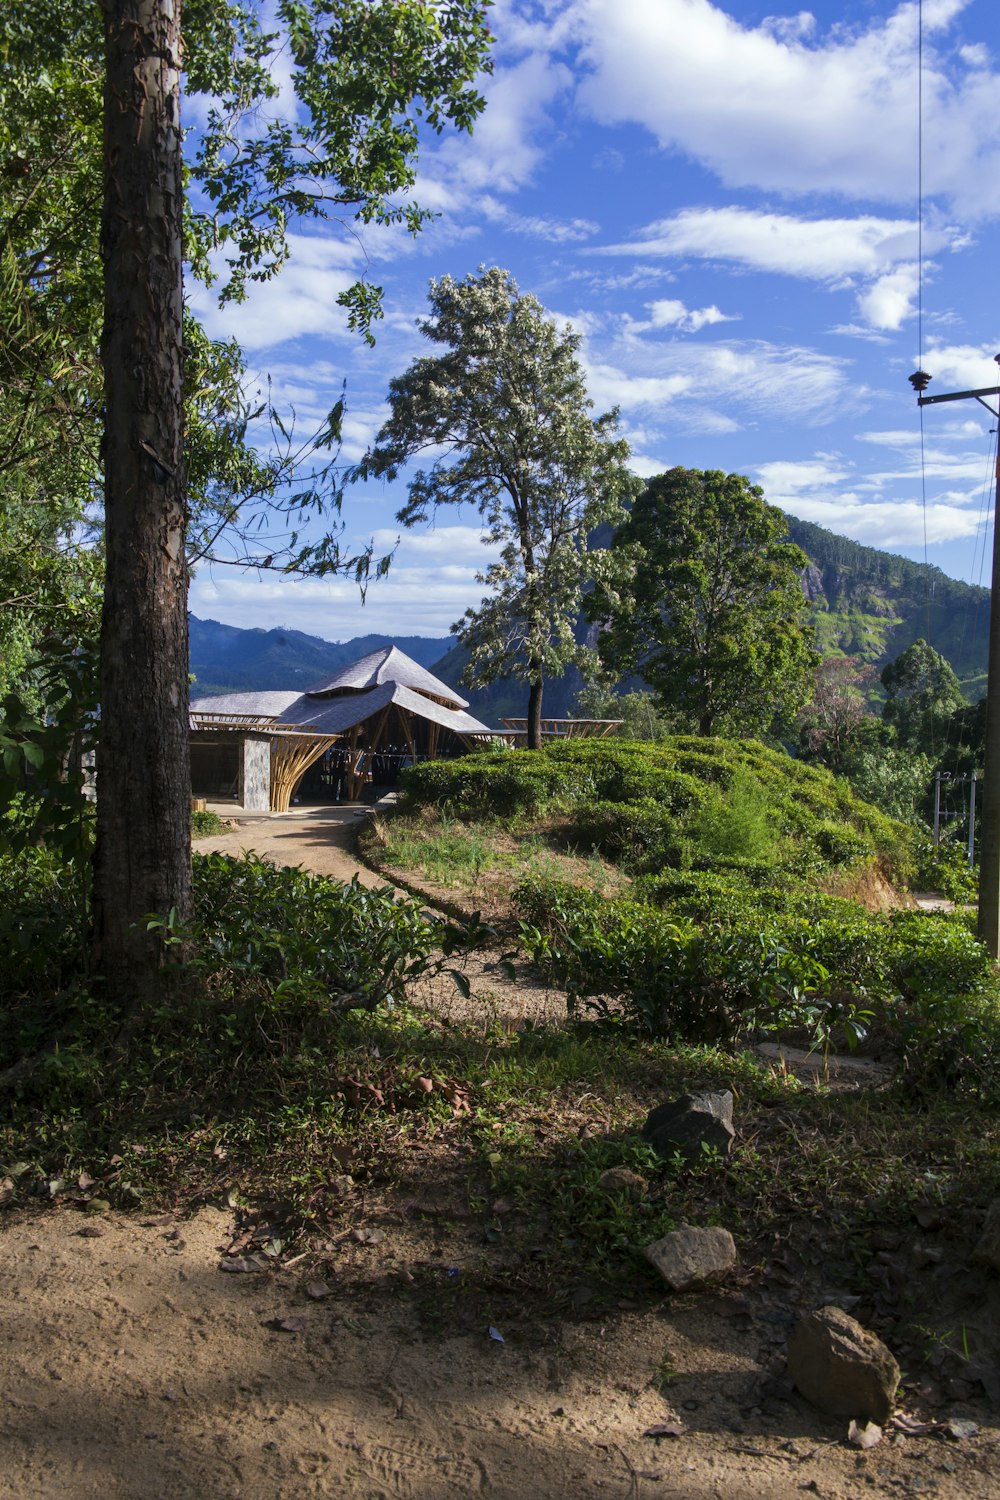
{"type": "Point", "coordinates": [136, 1364]}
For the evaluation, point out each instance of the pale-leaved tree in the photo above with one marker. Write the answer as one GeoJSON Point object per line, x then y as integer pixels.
{"type": "Point", "coordinates": [503, 415]}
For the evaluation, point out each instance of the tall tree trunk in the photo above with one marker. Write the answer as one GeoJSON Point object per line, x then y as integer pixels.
{"type": "Point", "coordinates": [535, 709]}
{"type": "Point", "coordinates": [143, 855]}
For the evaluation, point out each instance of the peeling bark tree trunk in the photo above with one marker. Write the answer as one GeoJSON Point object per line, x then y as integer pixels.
{"type": "Point", "coordinates": [142, 860]}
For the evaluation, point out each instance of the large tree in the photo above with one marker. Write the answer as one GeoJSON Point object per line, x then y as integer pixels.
{"type": "Point", "coordinates": [363, 74]}
{"type": "Point", "coordinates": [922, 696]}
{"type": "Point", "coordinates": [504, 410]}
{"type": "Point", "coordinates": [715, 616]}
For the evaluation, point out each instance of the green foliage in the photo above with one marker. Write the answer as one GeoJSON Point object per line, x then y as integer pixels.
{"type": "Point", "coordinates": [892, 779]}
{"type": "Point", "coordinates": [493, 783]}
{"type": "Point", "coordinates": [294, 940]}
{"type": "Point", "coordinates": [714, 618]}
{"type": "Point", "coordinates": [872, 604]}
{"type": "Point", "coordinates": [632, 964]}
{"type": "Point", "coordinates": [703, 957]}
{"type": "Point", "coordinates": [44, 750]}
{"type": "Point", "coordinates": [205, 822]}
{"type": "Point", "coordinates": [739, 822]}
{"type": "Point", "coordinates": [945, 867]}
{"type": "Point", "coordinates": [922, 694]}
{"type": "Point", "coordinates": [541, 471]}
{"type": "Point", "coordinates": [644, 804]}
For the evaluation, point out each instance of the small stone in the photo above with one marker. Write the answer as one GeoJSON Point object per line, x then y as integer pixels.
{"type": "Point", "coordinates": [688, 1124]}
{"type": "Point", "coordinates": [689, 1257]}
{"type": "Point", "coordinates": [624, 1183]}
{"type": "Point", "coordinates": [842, 1368]}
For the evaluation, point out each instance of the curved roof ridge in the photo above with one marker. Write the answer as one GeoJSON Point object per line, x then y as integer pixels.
{"type": "Point", "coordinates": [388, 664]}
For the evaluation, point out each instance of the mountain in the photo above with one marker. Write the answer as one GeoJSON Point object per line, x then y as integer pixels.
{"type": "Point", "coordinates": [874, 604]}
{"type": "Point", "coordinates": [865, 603]}
{"type": "Point", "coordinates": [226, 659]}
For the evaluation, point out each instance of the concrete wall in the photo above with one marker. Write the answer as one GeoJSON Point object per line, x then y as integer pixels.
{"type": "Point", "coordinates": [255, 772]}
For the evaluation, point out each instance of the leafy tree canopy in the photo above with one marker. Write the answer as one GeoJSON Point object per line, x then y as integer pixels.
{"type": "Point", "coordinates": [504, 411]}
{"type": "Point", "coordinates": [715, 616]}
{"type": "Point", "coordinates": [922, 695]}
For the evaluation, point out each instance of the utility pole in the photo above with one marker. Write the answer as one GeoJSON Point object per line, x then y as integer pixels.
{"type": "Point", "coordinates": [989, 846]}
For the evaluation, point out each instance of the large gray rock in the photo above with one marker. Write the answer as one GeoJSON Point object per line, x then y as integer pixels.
{"type": "Point", "coordinates": [689, 1257]}
{"type": "Point", "coordinates": [842, 1368]}
{"type": "Point", "coordinates": [685, 1124]}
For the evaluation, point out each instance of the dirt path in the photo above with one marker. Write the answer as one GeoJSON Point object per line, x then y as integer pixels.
{"type": "Point", "coordinates": [321, 839]}
{"type": "Point", "coordinates": [136, 1366]}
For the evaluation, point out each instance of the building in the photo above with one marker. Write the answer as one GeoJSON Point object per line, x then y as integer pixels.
{"type": "Point", "coordinates": [334, 742]}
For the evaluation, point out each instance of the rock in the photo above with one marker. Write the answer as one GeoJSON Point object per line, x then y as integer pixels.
{"type": "Point", "coordinates": [623, 1182]}
{"type": "Point", "coordinates": [842, 1368]}
{"type": "Point", "coordinates": [987, 1251]}
{"type": "Point", "coordinates": [684, 1125]}
{"type": "Point", "coordinates": [689, 1257]}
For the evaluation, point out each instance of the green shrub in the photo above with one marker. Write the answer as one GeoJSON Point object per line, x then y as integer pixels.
{"type": "Point", "coordinates": [717, 958]}
{"type": "Point", "coordinates": [626, 961]}
{"type": "Point", "coordinates": [684, 801]}
{"type": "Point", "coordinates": [293, 939]}
{"type": "Point", "coordinates": [945, 867]}
{"type": "Point", "coordinates": [205, 822]}
{"type": "Point", "coordinates": [736, 823]}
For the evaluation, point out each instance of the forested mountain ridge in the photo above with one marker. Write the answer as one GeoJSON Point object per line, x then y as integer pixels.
{"type": "Point", "coordinates": [874, 604]}
{"type": "Point", "coordinates": [865, 602]}
{"type": "Point", "coordinates": [227, 659]}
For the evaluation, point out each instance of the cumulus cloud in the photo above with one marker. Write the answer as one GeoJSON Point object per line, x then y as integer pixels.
{"type": "Point", "coordinates": [670, 312]}
{"type": "Point", "coordinates": [781, 107]}
{"type": "Point", "coordinates": [961, 366]}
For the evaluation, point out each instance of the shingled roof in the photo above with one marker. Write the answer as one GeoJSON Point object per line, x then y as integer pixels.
{"type": "Point", "coordinates": [352, 696]}
{"type": "Point", "coordinates": [388, 664]}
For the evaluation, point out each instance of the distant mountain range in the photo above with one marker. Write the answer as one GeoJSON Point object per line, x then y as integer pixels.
{"type": "Point", "coordinates": [226, 659]}
{"type": "Point", "coordinates": [865, 603]}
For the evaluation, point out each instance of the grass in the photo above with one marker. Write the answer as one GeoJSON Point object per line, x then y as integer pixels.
{"type": "Point", "coordinates": [482, 864]}
{"type": "Point", "coordinates": [477, 1144]}
{"type": "Point", "coordinates": [507, 1147]}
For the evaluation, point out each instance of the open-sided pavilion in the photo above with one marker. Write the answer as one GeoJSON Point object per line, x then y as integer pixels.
{"type": "Point", "coordinates": [383, 711]}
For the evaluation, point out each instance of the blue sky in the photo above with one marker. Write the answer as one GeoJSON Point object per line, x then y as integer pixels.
{"type": "Point", "coordinates": [722, 199]}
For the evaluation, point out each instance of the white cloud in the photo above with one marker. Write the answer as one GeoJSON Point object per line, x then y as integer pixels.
{"type": "Point", "coordinates": [785, 479]}
{"type": "Point", "coordinates": [301, 299]}
{"type": "Point", "coordinates": [430, 584]}
{"type": "Point", "coordinates": [815, 249]}
{"type": "Point", "coordinates": [535, 226]}
{"type": "Point", "coordinates": [837, 251]}
{"type": "Point", "coordinates": [887, 524]}
{"type": "Point", "coordinates": [781, 108]}
{"type": "Point", "coordinates": [961, 366]}
{"type": "Point", "coordinates": [670, 312]}
{"type": "Point", "coordinates": [511, 135]}
{"type": "Point", "coordinates": [890, 299]}
{"type": "Point", "coordinates": [742, 378]}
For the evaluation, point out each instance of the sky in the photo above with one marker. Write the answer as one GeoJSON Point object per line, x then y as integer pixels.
{"type": "Point", "coordinates": [722, 200]}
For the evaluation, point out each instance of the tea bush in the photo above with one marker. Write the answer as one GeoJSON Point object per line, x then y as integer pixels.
{"type": "Point", "coordinates": [716, 957]}
{"type": "Point", "coordinates": [293, 939]}
{"type": "Point", "coordinates": [682, 802]}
